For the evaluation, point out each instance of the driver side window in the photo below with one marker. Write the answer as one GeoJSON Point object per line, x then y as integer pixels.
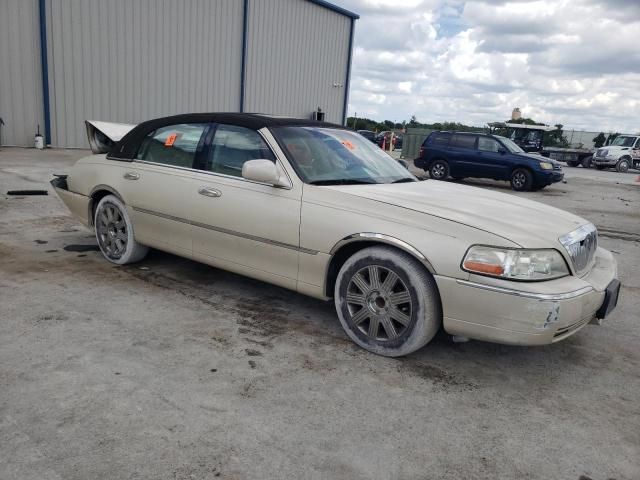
{"type": "Point", "coordinates": [486, 144]}
{"type": "Point", "coordinates": [232, 146]}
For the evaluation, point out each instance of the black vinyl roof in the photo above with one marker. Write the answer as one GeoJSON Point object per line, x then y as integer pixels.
{"type": "Point", "coordinates": [126, 148]}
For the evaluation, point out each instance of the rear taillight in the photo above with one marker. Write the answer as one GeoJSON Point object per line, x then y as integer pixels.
{"type": "Point", "coordinates": [421, 151]}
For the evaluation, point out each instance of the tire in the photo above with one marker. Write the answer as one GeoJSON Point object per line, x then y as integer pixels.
{"type": "Point", "coordinates": [114, 232]}
{"type": "Point", "coordinates": [439, 169]}
{"type": "Point", "coordinates": [623, 165]}
{"type": "Point", "coordinates": [586, 162]}
{"type": "Point", "coordinates": [521, 180]}
{"type": "Point", "coordinates": [573, 163]}
{"type": "Point", "coordinates": [404, 310]}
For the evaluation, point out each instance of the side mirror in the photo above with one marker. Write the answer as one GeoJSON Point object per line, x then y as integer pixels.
{"type": "Point", "coordinates": [502, 151]}
{"type": "Point", "coordinates": [264, 171]}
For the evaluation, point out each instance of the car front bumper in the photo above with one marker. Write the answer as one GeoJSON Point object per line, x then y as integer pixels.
{"type": "Point", "coordinates": [605, 161]}
{"type": "Point", "coordinates": [531, 313]}
{"type": "Point", "coordinates": [547, 177]}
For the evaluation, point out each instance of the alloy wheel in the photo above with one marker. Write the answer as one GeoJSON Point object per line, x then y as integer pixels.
{"type": "Point", "coordinates": [112, 231]}
{"type": "Point", "coordinates": [379, 303]}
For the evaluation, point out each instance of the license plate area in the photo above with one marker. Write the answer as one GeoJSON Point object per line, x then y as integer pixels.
{"type": "Point", "coordinates": [611, 295]}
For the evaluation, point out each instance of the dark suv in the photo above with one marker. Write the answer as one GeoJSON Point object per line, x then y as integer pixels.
{"type": "Point", "coordinates": [479, 155]}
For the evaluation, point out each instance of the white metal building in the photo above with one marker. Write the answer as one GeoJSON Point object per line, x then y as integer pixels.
{"type": "Point", "coordinates": [64, 61]}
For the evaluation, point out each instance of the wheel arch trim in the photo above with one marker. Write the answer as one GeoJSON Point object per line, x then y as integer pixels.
{"type": "Point", "coordinates": [386, 239]}
{"type": "Point", "coordinates": [93, 191]}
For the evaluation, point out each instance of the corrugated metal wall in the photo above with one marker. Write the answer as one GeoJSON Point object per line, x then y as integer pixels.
{"type": "Point", "coordinates": [129, 61]}
{"type": "Point", "coordinates": [296, 52]}
{"type": "Point", "coordinates": [20, 74]}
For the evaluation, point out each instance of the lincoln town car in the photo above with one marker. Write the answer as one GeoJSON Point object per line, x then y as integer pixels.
{"type": "Point", "coordinates": [318, 209]}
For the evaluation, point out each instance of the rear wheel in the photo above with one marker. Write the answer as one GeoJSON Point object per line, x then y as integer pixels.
{"type": "Point", "coordinates": [573, 163]}
{"type": "Point", "coordinates": [387, 302]}
{"type": "Point", "coordinates": [114, 232]}
{"type": "Point", "coordinates": [586, 161]}
{"type": "Point", "coordinates": [521, 180]}
{"type": "Point", "coordinates": [623, 165]}
{"type": "Point", "coordinates": [439, 169]}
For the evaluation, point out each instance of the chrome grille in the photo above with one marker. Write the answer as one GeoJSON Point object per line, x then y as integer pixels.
{"type": "Point", "coordinates": [581, 244]}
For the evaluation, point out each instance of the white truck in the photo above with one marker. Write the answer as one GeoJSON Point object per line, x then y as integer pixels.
{"type": "Point", "coordinates": [622, 154]}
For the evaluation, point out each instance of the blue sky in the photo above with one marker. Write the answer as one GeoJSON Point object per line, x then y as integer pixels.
{"type": "Point", "coordinates": [574, 62]}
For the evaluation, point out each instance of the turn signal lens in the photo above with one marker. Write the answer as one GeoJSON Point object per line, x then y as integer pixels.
{"type": "Point", "coordinates": [515, 264]}
{"type": "Point", "coordinates": [483, 268]}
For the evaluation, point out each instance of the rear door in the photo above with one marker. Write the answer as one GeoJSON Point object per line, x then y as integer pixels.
{"type": "Point", "coordinates": [462, 155]}
{"type": "Point", "coordinates": [155, 183]}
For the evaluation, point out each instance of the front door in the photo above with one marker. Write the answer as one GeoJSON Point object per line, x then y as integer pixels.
{"type": "Point", "coordinates": [492, 158]}
{"type": "Point", "coordinates": [243, 226]}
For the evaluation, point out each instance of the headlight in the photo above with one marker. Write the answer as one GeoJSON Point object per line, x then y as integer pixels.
{"type": "Point", "coordinates": [546, 165]}
{"type": "Point", "coordinates": [515, 264]}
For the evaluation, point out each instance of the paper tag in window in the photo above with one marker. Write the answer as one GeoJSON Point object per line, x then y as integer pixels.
{"type": "Point", "coordinates": [348, 144]}
{"type": "Point", "coordinates": [171, 139]}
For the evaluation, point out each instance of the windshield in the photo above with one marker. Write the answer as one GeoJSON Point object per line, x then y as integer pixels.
{"type": "Point", "coordinates": [511, 146]}
{"type": "Point", "coordinates": [621, 141]}
{"type": "Point", "coordinates": [331, 156]}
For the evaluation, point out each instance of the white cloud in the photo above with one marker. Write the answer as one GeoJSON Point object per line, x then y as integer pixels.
{"type": "Point", "coordinates": [574, 62]}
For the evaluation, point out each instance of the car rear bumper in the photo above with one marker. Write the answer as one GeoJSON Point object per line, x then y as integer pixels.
{"type": "Point", "coordinates": [527, 313]}
{"type": "Point", "coordinates": [77, 204]}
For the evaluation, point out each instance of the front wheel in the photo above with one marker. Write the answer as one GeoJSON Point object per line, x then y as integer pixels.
{"type": "Point", "coordinates": [521, 180]}
{"type": "Point", "coordinates": [439, 170]}
{"type": "Point", "coordinates": [114, 232]}
{"type": "Point", "coordinates": [622, 166]}
{"type": "Point", "coordinates": [387, 302]}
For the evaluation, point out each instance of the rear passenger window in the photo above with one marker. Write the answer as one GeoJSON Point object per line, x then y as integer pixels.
{"type": "Point", "coordinates": [439, 139]}
{"type": "Point", "coordinates": [463, 141]}
{"type": "Point", "coordinates": [487, 144]}
{"type": "Point", "coordinates": [174, 145]}
{"type": "Point", "coordinates": [232, 146]}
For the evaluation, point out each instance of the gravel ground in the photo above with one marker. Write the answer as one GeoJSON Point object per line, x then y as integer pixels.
{"type": "Point", "coordinates": [174, 370]}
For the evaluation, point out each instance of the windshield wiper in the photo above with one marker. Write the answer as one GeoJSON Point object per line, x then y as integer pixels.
{"type": "Point", "coordinates": [404, 180]}
{"type": "Point", "coordinates": [341, 181]}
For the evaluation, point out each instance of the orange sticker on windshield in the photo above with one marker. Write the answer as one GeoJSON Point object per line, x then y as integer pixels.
{"type": "Point", "coordinates": [171, 139]}
{"type": "Point", "coordinates": [348, 144]}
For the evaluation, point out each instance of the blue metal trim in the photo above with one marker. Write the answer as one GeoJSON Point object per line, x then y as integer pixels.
{"type": "Point", "coordinates": [335, 8]}
{"type": "Point", "coordinates": [348, 79]}
{"type": "Point", "coordinates": [45, 71]}
{"type": "Point", "coordinates": [243, 68]}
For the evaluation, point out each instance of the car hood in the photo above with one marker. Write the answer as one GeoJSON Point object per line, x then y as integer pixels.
{"type": "Point", "coordinates": [524, 222]}
{"type": "Point", "coordinates": [537, 156]}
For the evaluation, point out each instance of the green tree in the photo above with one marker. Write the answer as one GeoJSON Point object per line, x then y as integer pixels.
{"type": "Point", "coordinates": [599, 140]}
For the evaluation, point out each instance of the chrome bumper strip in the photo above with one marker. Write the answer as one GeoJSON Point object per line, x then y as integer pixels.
{"type": "Point", "coordinates": [520, 293]}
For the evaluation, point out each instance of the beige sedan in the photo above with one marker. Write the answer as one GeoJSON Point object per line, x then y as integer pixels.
{"type": "Point", "coordinates": [318, 209]}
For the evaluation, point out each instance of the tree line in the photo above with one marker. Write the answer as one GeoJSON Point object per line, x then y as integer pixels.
{"type": "Point", "coordinates": [554, 138]}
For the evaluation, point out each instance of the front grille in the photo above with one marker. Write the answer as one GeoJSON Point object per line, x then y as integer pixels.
{"type": "Point", "coordinates": [581, 244]}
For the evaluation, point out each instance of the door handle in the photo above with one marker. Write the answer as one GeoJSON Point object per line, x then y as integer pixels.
{"type": "Point", "coordinates": [131, 176]}
{"type": "Point", "coordinates": [209, 192]}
